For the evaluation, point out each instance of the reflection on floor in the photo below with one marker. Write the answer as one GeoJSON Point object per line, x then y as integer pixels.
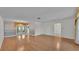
{"type": "Point", "coordinates": [38, 43]}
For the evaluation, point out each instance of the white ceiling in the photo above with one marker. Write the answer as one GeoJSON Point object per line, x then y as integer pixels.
{"type": "Point", "coordinates": [45, 13]}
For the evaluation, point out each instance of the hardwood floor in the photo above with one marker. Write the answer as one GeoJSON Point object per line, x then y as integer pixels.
{"type": "Point", "coordinates": [38, 43]}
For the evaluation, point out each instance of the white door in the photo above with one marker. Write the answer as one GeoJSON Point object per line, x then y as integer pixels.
{"type": "Point", "coordinates": [57, 29]}
{"type": "Point", "coordinates": [1, 31]}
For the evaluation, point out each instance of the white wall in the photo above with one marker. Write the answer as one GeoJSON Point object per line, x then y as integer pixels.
{"type": "Point", "coordinates": [67, 28]}
{"type": "Point", "coordinates": [47, 28]}
{"type": "Point", "coordinates": [10, 28]}
{"type": "Point", "coordinates": [1, 31]}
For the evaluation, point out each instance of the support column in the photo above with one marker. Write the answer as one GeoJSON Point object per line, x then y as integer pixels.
{"type": "Point", "coordinates": [28, 33]}
{"type": "Point", "coordinates": [77, 32]}
{"type": "Point", "coordinates": [1, 31]}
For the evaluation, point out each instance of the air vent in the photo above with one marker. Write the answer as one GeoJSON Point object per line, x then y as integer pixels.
{"type": "Point", "coordinates": [38, 18]}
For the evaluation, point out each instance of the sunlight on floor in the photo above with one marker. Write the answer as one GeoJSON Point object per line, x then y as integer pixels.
{"type": "Point", "coordinates": [21, 48]}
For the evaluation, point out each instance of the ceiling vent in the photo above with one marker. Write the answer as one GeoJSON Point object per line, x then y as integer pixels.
{"type": "Point", "coordinates": [38, 18]}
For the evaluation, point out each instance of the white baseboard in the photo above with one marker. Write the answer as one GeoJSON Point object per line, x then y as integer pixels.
{"type": "Point", "coordinates": [1, 41]}
{"type": "Point", "coordinates": [10, 36]}
{"type": "Point", "coordinates": [46, 34]}
{"type": "Point", "coordinates": [58, 36]}
{"type": "Point", "coordinates": [77, 42]}
{"type": "Point", "coordinates": [16, 35]}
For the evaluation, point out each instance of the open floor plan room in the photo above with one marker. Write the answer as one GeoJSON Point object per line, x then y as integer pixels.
{"type": "Point", "coordinates": [39, 29]}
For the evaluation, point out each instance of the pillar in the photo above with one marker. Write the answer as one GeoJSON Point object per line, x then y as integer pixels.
{"type": "Point", "coordinates": [77, 31]}
{"type": "Point", "coordinates": [1, 31]}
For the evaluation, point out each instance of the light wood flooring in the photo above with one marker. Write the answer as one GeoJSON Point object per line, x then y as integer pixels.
{"type": "Point", "coordinates": [38, 43]}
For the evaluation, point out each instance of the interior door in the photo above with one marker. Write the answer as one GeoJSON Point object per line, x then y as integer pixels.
{"type": "Point", "coordinates": [57, 29]}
